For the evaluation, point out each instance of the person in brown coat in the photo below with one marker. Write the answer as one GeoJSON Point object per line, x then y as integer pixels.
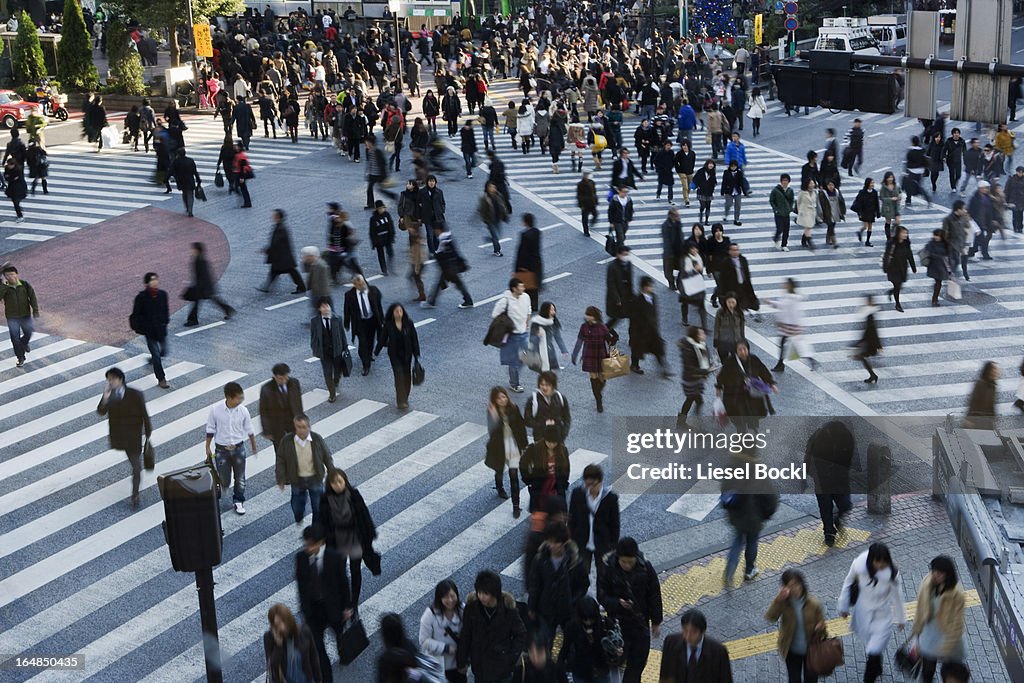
{"type": "Point", "coordinates": [586, 198]}
{"type": "Point", "coordinates": [981, 407]}
{"type": "Point", "coordinates": [793, 643]}
{"type": "Point", "coordinates": [284, 630]}
{"type": "Point", "coordinates": [693, 657]}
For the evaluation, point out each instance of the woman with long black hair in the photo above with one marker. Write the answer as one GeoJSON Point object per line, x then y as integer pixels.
{"type": "Point", "coordinates": [939, 618]}
{"type": "Point", "coordinates": [350, 528]}
{"type": "Point", "coordinates": [506, 443]}
{"type": "Point", "coordinates": [870, 343]}
{"type": "Point", "coordinates": [871, 593]}
{"type": "Point", "coordinates": [399, 336]}
{"type": "Point", "coordinates": [899, 257]}
{"type": "Point", "coordinates": [399, 655]}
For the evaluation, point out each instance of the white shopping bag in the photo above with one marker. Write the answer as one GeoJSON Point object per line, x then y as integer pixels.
{"type": "Point", "coordinates": [953, 290]}
{"type": "Point", "coordinates": [111, 136]}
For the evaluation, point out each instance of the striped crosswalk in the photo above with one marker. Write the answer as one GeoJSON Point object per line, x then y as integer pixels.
{"type": "Point", "coordinates": [86, 187]}
{"type": "Point", "coordinates": [919, 343]}
{"type": "Point", "coordinates": [81, 572]}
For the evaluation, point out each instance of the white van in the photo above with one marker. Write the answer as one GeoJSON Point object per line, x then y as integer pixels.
{"type": "Point", "coordinates": [890, 31]}
{"type": "Point", "coordinates": [847, 34]}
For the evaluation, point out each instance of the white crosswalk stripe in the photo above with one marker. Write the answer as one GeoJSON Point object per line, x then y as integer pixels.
{"type": "Point", "coordinates": [84, 573]}
{"type": "Point", "coordinates": [833, 281]}
{"type": "Point", "coordinates": [86, 187]}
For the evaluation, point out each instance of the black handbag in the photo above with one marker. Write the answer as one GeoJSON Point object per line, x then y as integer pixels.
{"type": "Point", "coordinates": [346, 363]}
{"type": "Point", "coordinates": [611, 245]}
{"type": "Point", "coordinates": [218, 179]}
{"type": "Point", "coordinates": [418, 374]}
{"type": "Point", "coordinates": [854, 592]}
{"type": "Point", "coordinates": [200, 193]}
{"type": "Point", "coordinates": [352, 641]}
{"type": "Point", "coordinates": [148, 456]}
{"type": "Point", "coordinates": [190, 294]}
{"type": "Point", "coordinates": [372, 561]}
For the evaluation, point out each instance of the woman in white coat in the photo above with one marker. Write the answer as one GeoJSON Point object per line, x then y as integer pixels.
{"type": "Point", "coordinates": [873, 594]}
{"type": "Point", "coordinates": [808, 213]}
{"type": "Point", "coordinates": [758, 108]}
{"type": "Point", "coordinates": [789, 318]}
{"type": "Point", "coordinates": [440, 626]}
{"type": "Point", "coordinates": [527, 120]}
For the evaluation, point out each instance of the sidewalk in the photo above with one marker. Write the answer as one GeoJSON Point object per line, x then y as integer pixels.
{"type": "Point", "coordinates": [916, 531]}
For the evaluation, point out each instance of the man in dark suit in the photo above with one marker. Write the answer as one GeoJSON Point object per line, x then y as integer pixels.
{"type": "Point", "coordinates": [186, 177]}
{"type": "Point", "coordinates": [203, 286]}
{"type": "Point", "coordinates": [244, 120]}
{"type": "Point", "coordinates": [693, 657]}
{"type": "Point", "coordinates": [734, 276]}
{"type": "Point", "coordinates": [129, 421]}
{"type": "Point", "coordinates": [620, 214]}
{"type": "Point", "coordinates": [528, 259]}
{"type": "Point", "coordinates": [327, 339]}
{"type": "Point", "coordinates": [364, 318]}
{"type": "Point", "coordinates": [624, 172]}
{"type": "Point", "coordinates": [619, 295]}
{"type": "Point", "coordinates": [280, 402]}
{"type": "Point", "coordinates": [149, 317]}
{"type": "Point", "coordinates": [644, 335]}
{"type": "Point", "coordinates": [323, 591]}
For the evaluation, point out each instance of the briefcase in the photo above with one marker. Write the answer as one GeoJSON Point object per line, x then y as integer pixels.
{"type": "Point", "coordinates": [346, 363]}
{"type": "Point", "coordinates": [615, 365]}
{"type": "Point", "coordinates": [418, 374]}
{"type": "Point", "coordinates": [148, 456]}
{"type": "Point", "coordinates": [352, 641]}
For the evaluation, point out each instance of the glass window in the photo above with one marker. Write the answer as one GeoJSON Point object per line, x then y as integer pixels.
{"type": "Point", "coordinates": [4, 98]}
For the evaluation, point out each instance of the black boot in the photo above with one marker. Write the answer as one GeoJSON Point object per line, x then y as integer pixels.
{"type": "Point", "coordinates": [867, 242]}
{"type": "Point", "coordinates": [499, 485]}
{"type": "Point", "coordinates": [513, 476]}
{"type": "Point", "coordinates": [597, 387]}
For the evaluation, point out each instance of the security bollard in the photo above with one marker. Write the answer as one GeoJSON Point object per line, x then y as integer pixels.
{"type": "Point", "coordinates": [879, 480]}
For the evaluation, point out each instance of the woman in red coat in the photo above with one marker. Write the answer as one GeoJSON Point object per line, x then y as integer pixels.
{"type": "Point", "coordinates": [594, 338]}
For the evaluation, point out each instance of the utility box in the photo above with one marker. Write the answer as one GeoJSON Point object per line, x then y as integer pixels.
{"type": "Point", "coordinates": [191, 518]}
{"type": "Point", "coordinates": [982, 35]}
{"type": "Point", "coordinates": [823, 82]}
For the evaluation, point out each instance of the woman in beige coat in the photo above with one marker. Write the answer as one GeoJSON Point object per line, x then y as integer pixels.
{"type": "Point", "coordinates": [801, 622]}
{"type": "Point", "coordinates": [939, 619]}
{"type": "Point", "coordinates": [807, 212]}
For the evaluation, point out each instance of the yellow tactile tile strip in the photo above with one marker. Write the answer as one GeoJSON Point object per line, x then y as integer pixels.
{"type": "Point", "coordinates": [766, 642]}
{"type": "Point", "coordinates": [686, 589]}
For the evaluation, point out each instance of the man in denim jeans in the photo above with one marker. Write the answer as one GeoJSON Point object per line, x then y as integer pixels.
{"type": "Point", "coordinates": [227, 427]}
{"type": "Point", "coordinates": [20, 306]}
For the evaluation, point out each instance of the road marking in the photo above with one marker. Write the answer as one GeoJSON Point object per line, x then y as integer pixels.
{"type": "Point", "coordinates": [879, 170]}
{"type": "Point", "coordinates": [421, 323]}
{"type": "Point", "coordinates": [199, 329]}
{"type": "Point", "coordinates": [30, 238]}
{"type": "Point", "coordinates": [908, 124]}
{"type": "Point", "coordinates": [488, 244]}
{"type": "Point", "coordinates": [550, 227]}
{"type": "Point", "coordinates": [875, 135]}
{"type": "Point", "coordinates": [286, 303]}
{"type": "Point", "coordinates": [698, 502]}
{"type": "Point", "coordinates": [494, 298]}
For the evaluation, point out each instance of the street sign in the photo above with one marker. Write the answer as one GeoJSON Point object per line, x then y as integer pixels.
{"type": "Point", "coordinates": [204, 42]}
{"type": "Point", "coordinates": [791, 8]}
{"type": "Point", "coordinates": [791, 24]}
{"type": "Point", "coordinates": [758, 28]}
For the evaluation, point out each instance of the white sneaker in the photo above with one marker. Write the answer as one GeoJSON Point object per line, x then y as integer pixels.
{"type": "Point", "coordinates": [239, 509]}
{"type": "Point", "coordinates": [751, 574]}
{"type": "Point", "coordinates": [785, 249]}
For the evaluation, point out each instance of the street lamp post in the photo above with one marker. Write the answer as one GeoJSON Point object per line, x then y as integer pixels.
{"type": "Point", "coordinates": [395, 6]}
{"type": "Point", "coordinates": [684, 19]}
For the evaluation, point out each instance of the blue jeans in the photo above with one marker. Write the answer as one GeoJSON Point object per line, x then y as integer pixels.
{"type": "Point", "coordinates": [746, 542]}
{"type": "Point", "coordinates": [157, 349]}
{"type": "Point", "coordinates": [21, 333]}
{"type": "Point", "coordinates": [488, 137]}
{"type": "Point", "coordinates": [495, 231]}
{"type": "Point", "coordinates": [513, 375]}
{"type": "Point", "coordinates": [231, 462]}
{"type": "Point", "coordinates": [470, 159]}
{"type": "Point", "coordinates": [315, 489]}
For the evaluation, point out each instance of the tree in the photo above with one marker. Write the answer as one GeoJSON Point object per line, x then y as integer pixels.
{"type": "Point", "coordinates": [171, 14]}
{"type": "Point", "coordinates": [125, 65]}
{"type": "Point", "coordinates": [74, 52]}
{"type": "Point", "coordinates": [27, 60]}
{"type": "Point", "coordinates": [713, 19]}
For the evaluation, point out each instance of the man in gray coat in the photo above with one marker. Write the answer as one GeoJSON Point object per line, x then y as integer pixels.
{"type": "Point", "coordinates": [319, 282]}
{"type": "Point", "coordinates": [328, 342]}
{"type": "Point", "coordinates": [302, 462]}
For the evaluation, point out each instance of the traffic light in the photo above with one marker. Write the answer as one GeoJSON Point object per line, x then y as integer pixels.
{"type": "Point", "coordinates": [829, 79]}
{"type": "Point", "coordinates": [191, 518]}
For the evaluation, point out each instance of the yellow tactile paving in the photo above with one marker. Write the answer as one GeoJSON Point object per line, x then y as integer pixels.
{"type": "Point", "coordinates": [765, 642]}
{"type": "Point", "coordinates": [686, 589]}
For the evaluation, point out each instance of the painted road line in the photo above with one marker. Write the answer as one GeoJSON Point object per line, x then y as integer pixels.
{"type": "Point", "coordinates": [421, 323]}
{"type": "Point", "coordinates": [312, 360]}
{"type": "Point", "coordinates": [67, 559]}
{"type": "Point", "coordinates": [891, 331]}
{"type": "Point", "coordinates": [42, 351]}
{"type": "Point", "coordinates": [550, 227]}
{"type": "Point", "coordinates": [26, 237]}
{"type": "Point", "coordinates": [238, 634]}
{"type": "Point", "coordinates": [503, 240]}
{"type": "Point", "coordinates": [45, 372]}
{"type": "Point", "coordinates": [66, 476]}
{"type": "Point", "coordinates": [44, 226]}
{"type": "Point", "coordinates": [553, 278]}
{"type": "Point", "coordinates": [199, 329]}
{"type": "Point", "coordinates": [87, 406]}
{"type": "Point", "coordinates": [930, 370]}
{"type": "Point", "coordinates": [285, 303]}
{"type": "Point", "coordinates": [698, 502]}
{"type": "Point", "coordinates": [982, 345]}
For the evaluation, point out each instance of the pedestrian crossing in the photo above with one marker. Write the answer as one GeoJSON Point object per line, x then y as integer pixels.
{"type": "Point", "coordinates": [86, 187]}
{"type": "Point", "coordinates": [919, 344]}
{"type": "Point", "coordinates": [81, 572]}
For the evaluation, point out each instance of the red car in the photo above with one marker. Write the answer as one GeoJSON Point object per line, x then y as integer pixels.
{"type": "Point", "coordinates": [14, 110]}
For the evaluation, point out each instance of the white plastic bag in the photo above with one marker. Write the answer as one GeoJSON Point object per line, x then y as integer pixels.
{"type": "Point", "coordinates": [718, 410]}
{"type": "Point", "coordinates": [111, 136]}
{"type": "Point", "coordinates": [953, 290]}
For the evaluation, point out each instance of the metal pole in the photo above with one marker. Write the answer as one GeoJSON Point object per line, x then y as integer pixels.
{"type": "Point", "coordinates": [195, 57]}
{"type": "Point", "coordinates": [208, 617]}
{"type": "Point", "coordinates": [398, 51]}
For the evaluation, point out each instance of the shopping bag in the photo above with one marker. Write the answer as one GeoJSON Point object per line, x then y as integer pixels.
{"type": "Point", "coordinates": [531, 359]}
{"type": "Point", "coordinates": [418, 373]}
{"type": "Point", "coordinates": [718, 410]}
{"type": "Point", "coordinates": [600, 144]}
{"type": "Point", "coordinates": [694, 285]}
{"type": "Point", "coordinates": [953, 290]}
{"type": "Point", "coordinates": [825, 655]}
{"type": "Point", "coordinates": [352, 641]}
{"type": "Point", "coordinates": [148, 456]}
{"type": "Point", "coordinates": [615, 365]}
{"type": "Point", "coordinates": [907, 661]}
{"type": "Point", "coordinates": [110, 136]}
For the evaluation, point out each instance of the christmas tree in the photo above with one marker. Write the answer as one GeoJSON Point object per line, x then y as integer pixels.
{"type": "Point", "coordinates": [712, 19]}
